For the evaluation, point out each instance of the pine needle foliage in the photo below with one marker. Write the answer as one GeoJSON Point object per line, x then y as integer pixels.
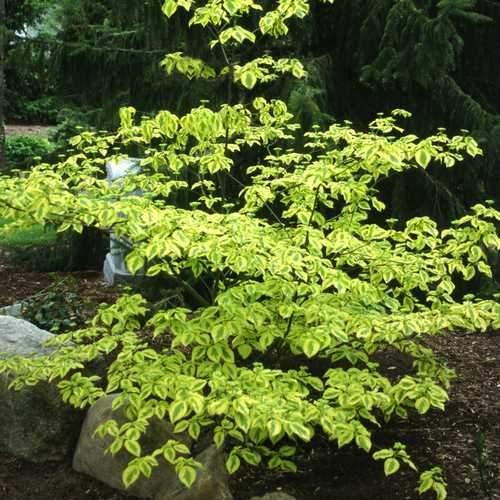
{"type": "Point", "coordinates": [129, 37]}
{"type": "Point", "coordinates": [417, 47]}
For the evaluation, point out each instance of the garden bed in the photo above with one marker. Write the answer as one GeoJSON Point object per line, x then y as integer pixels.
{"type": "Point", "coordinates": [465, 440]}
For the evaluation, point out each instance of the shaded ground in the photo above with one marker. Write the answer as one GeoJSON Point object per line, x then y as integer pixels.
{"type": "Point", "coordinates": [24, 481]}
{"type": "Point", "coordinates": [465, 440]}
{"type": "Point", "coordinates": [451, 440]}
{"type": "Point", "coordinates": [89, 285]}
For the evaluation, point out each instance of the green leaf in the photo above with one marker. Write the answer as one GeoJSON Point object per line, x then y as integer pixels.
{"type": "Point", "coordinates": [219, 438]}
{"type": "Point", "coordinates": [248, 79]}
{"type": "Point", "coordinates": [187, 475]}
{"type": "Point", "coordinates": [161, 391]}
{"type": "Point", "coordinates": [422, 157]}
{"type": "Point", "coordinates": [169, 454]}
{"type": "Point", "coordinates": [391, 465]}
{"type": "Point", "coordinates": [422, 405]}
{"type": "Point", "coordinates": [287, 451]}
{"type": "Point", "coordinates": [311, 347]}
{"type": "Point", "coordinates": [244, 350]}
{"type": "Point", "coordinates": [133, 447]}
{"type": "Point", "coordinates": [218, 407]}
{"type": "Point", "coordinates": [364, 442]}
{"type": "Point", "coordinates": [440, 490]}
{"type": "Point", "coordinates": [300, 430]}
{"type": "Point", "coordinates": [328, 425]}
{"type": "Point", "coordinates": [345, 434]}
{"type": "Point", "coordinates": [194, 430]}
{"type": "Point", "coordinates": [107, 317]}
{"type": "Point", "coordinates": [288, 465]}
{"type": "Point", "coordinates": [383, 454]}
{"type": "Point", "coordinates": [181, 426]}
{"type": "Point", "coordinates": [232, 6]}
{"type": "Point", "coordinates": [425, 485]}
{"type": "Point", "coordinates": [116, 446]}
{"type": "Point", "coordinates": [181, 448]}
{"type": "Point", "coordinates": [242, 420]}
{"type": "Point", "coordinates": [134, 262]}
{"type": "Point", "coordinates": [232, 463]}
{"type": "Point", "coordinates": [145, 469]}
{"type": "Point", "coordinates": [130, 475]}
{"type": "Point", "coordinates": [169, 7]}
{"type": "Point", "coordinates": [177, 410]}
{"type": "Point", "coordinates": [251, 457]}
{"type": "Point", "coordinates": [274, 428]}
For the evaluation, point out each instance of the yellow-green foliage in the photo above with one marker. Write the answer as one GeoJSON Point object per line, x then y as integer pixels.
{"type": "Point", "coordinates": [291, 287]}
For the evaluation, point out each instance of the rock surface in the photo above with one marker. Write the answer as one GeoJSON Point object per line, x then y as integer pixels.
{"type": "Point", "coordinates": [91, 459]}
{"type": "Point", "coordinates": [39, 427]}
{"type": "Point", "coordinates": [13, 310]}
{"type": "Point", "coordinates": [276, 495]}
{"type": "Point", "coordinates": [21, 338]}
{"type": "Point", "coordinates": [211, 482]}
{"type": "Point", "coordinates": [36, 425]}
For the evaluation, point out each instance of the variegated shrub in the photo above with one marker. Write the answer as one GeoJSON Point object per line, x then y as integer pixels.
{"type": "Point", "coordinates": [291, 282]}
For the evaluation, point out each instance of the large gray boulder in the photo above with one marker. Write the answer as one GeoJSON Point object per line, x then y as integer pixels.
{"type": "Point", "coordinates": [91, 459]}
{"type": "Point", "coordinates": [21, 338]}
{"type": "Point", "coordinates": [34, 423]}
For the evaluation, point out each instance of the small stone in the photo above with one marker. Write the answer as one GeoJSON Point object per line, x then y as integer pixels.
{"type": "Point", "coordinates": [277, 495]}
{"type": "Point", "coordinates": [14, 310]}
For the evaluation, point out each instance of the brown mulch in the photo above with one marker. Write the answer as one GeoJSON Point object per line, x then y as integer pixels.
{"type": "Point", "coordinates": [21, 480]}
{"type": "Point", "coordinates": [449, 439]}
{"type": "Point", "coordinates": [17, 285]}
{"type": "Point", "coordinates": [464, 440]}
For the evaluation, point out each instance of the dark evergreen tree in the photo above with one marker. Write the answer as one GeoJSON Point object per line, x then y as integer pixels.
{"type": "Point", "coordinates": [108, 54]}
{"type": "Point", "coordinates": [421, 55]}
{"type": "Point", "coordinates": [28, 73]}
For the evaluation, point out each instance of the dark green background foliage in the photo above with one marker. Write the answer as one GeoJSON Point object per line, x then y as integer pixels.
{"type": "Point", "coordinates": [23, 151]}
{"type": "Point", "coordinates": [363, 57]}
{"type": "Point", "coordinates": [276, 240]}
{"type": "Point", "coordinates": [75, 62]}
{"type": "Point", "coordinates": [423, 56]}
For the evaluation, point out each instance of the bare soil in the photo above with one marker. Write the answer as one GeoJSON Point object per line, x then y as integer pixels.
{"type": "Point", "coordinates": [16, 286]}
{"type": "Point", "coordinates": [464, 440]}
